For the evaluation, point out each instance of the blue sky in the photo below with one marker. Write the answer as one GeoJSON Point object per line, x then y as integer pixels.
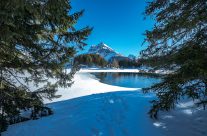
{"type": "Point", "coordinates": [118, 23]}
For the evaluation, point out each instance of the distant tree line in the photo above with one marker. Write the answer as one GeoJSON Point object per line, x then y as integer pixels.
{"type": "Point", "coordinates": [128, 63]}
{"type": "Point", "coordinates": [155, 61]}
{"type": "Point", "coordinates": [97, 60]}
{"type": "Point", "coordinates": [91, 60]}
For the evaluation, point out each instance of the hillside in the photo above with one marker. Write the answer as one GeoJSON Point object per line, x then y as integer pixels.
{"type": "Point", "coordinates": [106, 52]}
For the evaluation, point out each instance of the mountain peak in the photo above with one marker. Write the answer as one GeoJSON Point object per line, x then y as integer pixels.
{"type": "Point", "coordinates": [104, 46]}
{"type": "Point", "coordinates": [104, 50]}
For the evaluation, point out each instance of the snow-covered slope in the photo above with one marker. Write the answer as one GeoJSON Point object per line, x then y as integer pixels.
{"type": "Point", "coordinates": [110, 114]}
{"type": "Point", "coordinates": [86, 84]}
{"type": "Point", "coordinates": [105, 51]}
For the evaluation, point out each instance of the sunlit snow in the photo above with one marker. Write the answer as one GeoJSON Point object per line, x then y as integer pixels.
{"type": "Point", "coordinates": [92, 108]}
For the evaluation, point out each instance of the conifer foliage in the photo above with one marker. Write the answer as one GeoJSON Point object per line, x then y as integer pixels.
{"type": "Point", "coordinates": [90, 60]}
{"type": "Point", "coordinates": [37, 38]}
{"type": "Point", "coordinates": [178, 40]}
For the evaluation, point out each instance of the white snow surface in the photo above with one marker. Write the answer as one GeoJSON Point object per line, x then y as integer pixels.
{"type": "Point", "coordinates": [94, 70]}
{"type": "Point", "coordinates": [86, 84]}
{"type": "Point", "coordinates": [134, 70]}
{"type": "Point", "coordinates": [89, 108]}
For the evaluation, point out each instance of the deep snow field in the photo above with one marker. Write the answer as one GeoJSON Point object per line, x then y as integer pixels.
{"type": "Point", "coordinates": [92, 108]}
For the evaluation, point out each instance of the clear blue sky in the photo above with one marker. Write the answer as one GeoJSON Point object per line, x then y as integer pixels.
{"type": "Point", "coordinates": [118, 23]}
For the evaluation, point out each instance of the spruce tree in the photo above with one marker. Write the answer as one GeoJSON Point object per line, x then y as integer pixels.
{"type": "Point", "coordinates": [115, 63]}
{"type": "Point", "coordinates": [37, 39]}
{"type": "Point", "coordinates": [178, 41]}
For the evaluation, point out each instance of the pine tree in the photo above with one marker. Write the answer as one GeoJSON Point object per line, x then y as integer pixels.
{"type": "Point", "coordinates": [37, 38]}
{"type": "Point", "coordinates": [115, 64]}
{"type": "Point", "coordinates": [178, 41]}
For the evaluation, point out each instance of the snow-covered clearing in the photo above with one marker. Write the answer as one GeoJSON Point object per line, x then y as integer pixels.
{"type": "Point", "coordinates": [92, 108]}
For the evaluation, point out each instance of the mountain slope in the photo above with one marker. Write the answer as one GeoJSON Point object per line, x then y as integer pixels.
{"type": "Point", "coordinates": [106, 52]}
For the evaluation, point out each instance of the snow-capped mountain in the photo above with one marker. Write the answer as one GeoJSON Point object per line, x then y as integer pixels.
{"type": "Point", "coordinates": [105, 51]}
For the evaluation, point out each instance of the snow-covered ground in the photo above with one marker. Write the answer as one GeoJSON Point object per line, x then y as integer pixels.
{"type": "Point", "coordinates": [92, 108]}
{"type": "Point", "coordinates": [108, 114]}
{"type": "Point", "coordinates": [86, 84]}
{"type": "Point", "coordinates": [134, 70]}
{"type": "Point", "coordinates": [93, 70]}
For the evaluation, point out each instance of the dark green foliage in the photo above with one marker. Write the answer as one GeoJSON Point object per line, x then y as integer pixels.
{"type": "Point", "coordinates": [16, 119]}
{"type": "Point", "coordinates": [40, 111]}
{"type": "Point", "coordinates": [178, 41]}
{"type": "Point", "coordinates": [37, 38]}
{"type": "Point", "coordinates": [90, 60]}
{"type": "Point", "coordinates": [126, 63]}
{"type": "Point", "coordinates": [3, 123]}
{"type": "Point", "coordinates": [115, 64]}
